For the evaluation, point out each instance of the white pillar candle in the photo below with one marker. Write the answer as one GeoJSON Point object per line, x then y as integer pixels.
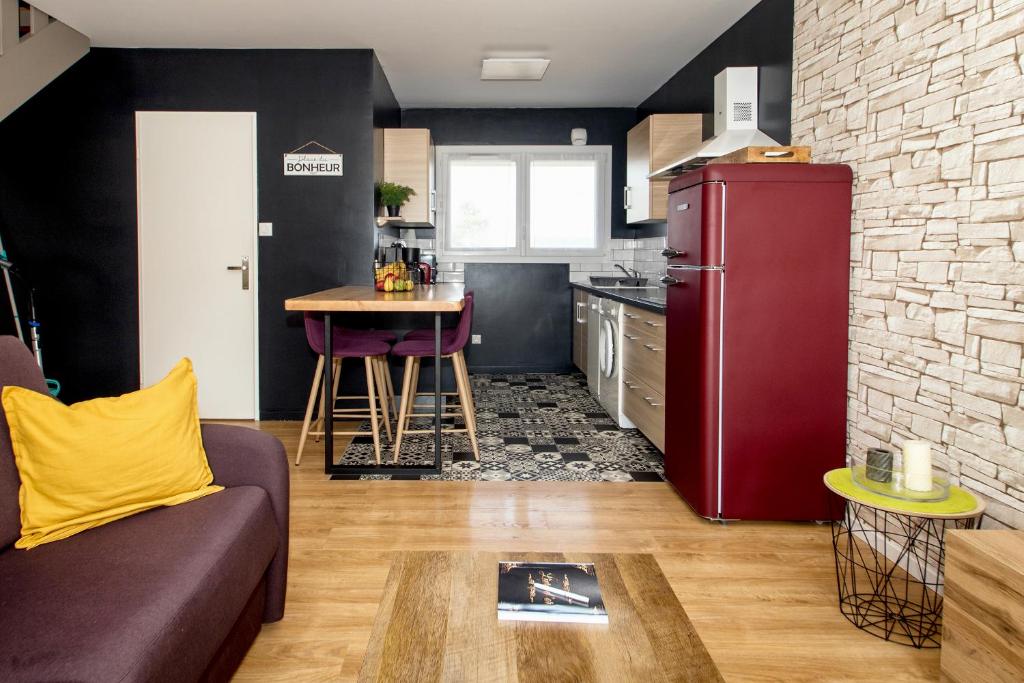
{"type": "Point", "coordinates": [917, 465]}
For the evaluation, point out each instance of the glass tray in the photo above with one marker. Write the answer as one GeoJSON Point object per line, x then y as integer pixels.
{"type": "Point", "coordinates": [895, 488]}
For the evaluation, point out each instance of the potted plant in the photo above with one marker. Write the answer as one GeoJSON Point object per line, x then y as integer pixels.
{"type": "Point", "coordinates": [393, 196]}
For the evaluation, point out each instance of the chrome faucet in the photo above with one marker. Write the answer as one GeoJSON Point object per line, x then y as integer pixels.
{"type": "Point", "coordinates": [627, 271]}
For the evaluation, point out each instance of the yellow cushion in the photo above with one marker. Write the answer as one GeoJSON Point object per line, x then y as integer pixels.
{"type": "Point", "coordinates": [98, 461]}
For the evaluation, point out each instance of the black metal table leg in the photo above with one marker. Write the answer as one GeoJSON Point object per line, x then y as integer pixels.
{"type": "Point", "coordinates": [328, 404]}
{"type": "Point", "coordinates": [346, 471]}
{"type": "Point", "coordinates": [437, 391]}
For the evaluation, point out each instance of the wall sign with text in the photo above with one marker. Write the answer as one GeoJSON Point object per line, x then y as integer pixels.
{"type": "Point", "coordinates": [328, 163]}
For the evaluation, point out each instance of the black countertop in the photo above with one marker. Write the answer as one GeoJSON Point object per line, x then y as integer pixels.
{"type": "Point", "coordinates": [648, 298]}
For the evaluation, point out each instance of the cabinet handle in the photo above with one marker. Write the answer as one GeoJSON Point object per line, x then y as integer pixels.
{"type": "Point", "coordinates": [652, 324]}
{"type": "Point", "coordinates": [630, 337]}
{"type": "Point", "coordinates": [433, 200]}
{"type": "Point", "coordinates": [668, 280]}
{"type": "Point", "coordinates": [669, 252]}
{"type": "Point", "coordinates": [652, 347]}
{"type": "Point", "coordinates": [627, 197]}
{"type": "Point", "coordinates": [650, 401]}
{"type": "Point", "coordinates": [631, 316]}
{"type": "Point", "coordinates": [579, 316]}
{"type": "Point", "coordinates": [682, 207]}
{"type": "Point", "coordinates": [631, 387]}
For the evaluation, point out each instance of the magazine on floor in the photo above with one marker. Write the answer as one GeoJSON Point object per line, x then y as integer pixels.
{"type": "Point", "coordinates": [549, 591]}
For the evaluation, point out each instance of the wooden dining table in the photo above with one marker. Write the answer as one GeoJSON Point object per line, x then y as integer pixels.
{"type": "Point", "coordinates": [436, 299]}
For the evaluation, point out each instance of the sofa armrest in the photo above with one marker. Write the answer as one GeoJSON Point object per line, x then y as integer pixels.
{"type": "Point", "coordinates": [240, 456]}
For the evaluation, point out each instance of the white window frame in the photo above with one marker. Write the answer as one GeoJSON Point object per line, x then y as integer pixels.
{"type": "Point", "coordinates": [522, 154]}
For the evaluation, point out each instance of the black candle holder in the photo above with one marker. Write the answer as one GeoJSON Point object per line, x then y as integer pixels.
{"type": "Point", "coordinates": [879, 465]}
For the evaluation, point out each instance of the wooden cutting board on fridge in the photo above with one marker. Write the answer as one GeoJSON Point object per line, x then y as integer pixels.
{"type": "Point", "coordinates": [766, 155]}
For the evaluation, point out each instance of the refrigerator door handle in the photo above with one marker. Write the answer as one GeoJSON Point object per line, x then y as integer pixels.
{"type": "Point", "coordinates": [687, 267]}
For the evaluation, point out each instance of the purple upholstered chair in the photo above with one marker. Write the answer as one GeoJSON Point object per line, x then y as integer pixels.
{"type": "Point", "coordinates": [370, 345]}
{"type": "Point", "coordinates": [452, 344]}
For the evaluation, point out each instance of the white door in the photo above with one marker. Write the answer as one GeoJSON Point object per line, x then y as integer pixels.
{"type": "Point", "coordinates": [197, 221]}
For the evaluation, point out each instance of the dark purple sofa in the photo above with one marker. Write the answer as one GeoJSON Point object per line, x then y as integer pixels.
{"type": "Point", "coordinates": [172, 594]}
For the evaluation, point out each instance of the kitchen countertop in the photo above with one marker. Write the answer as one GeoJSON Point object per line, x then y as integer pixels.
{"type": "Point", "coordinates": [648, 298]}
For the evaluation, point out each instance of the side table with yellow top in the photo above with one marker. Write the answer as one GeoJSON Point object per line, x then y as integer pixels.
{"type": "Point", "coordinates": [889, 558]}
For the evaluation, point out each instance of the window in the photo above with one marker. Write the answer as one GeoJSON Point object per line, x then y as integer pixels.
{"type": "Point", "coordinates": [523, 201]}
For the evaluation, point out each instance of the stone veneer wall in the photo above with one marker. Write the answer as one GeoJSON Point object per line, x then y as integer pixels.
{"type": "Point", "coordinates": [924, 100]}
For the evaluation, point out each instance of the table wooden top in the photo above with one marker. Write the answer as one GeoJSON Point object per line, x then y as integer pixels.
{"type": "Point", "coordinates": [437, 621]}
{"type": "Point", "coordinates": [423, 299]}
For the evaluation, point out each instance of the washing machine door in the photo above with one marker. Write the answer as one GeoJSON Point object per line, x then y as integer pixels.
{"type": "Point", "coordinates": [608, 389]}
{"type": "Point", "coordinates": [607, 350]}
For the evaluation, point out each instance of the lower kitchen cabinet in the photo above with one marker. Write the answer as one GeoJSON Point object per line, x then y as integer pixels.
{"type": "Point", "coordinates": [580, 300]}
{"type": "Point", "coordinates": [643, 372]}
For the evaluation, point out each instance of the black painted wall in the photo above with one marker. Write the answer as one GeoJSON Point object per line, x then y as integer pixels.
{"type": "Point", "coordinates": [68, 207]}
{"type": "Point", "coordinates": [523, 311]}
{"type": "Point", "coordinates": [764, 38]}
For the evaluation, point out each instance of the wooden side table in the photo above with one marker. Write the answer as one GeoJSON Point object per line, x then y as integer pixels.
{"type": "Point", "coordinates": [889, 558]}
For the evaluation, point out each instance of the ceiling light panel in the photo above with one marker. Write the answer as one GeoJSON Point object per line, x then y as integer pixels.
{"type": "Point", "coordinates": [513, 69]}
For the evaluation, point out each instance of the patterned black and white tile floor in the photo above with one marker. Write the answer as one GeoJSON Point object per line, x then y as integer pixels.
{"type": "Point", "coordinates": [542, 427]}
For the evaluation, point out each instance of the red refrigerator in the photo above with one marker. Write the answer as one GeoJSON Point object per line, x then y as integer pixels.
{"type": "Point", "coordinates": [758, 294]}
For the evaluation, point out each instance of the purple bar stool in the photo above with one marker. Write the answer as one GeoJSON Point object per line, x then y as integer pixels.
{"type": "Point", "coordinates": [428, 332]}
{"type": "Point", "coordinates": [372, 347]}
{"type": "Point", "coordinates": [413, 350]}
{"type": "Point", "coordinates": [387, 389]}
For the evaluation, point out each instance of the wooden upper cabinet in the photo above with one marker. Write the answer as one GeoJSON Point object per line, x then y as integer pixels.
{"type": "Point", "coordinates": [409, 160]}
{"type": "Point", "coordinates": [653, 143]}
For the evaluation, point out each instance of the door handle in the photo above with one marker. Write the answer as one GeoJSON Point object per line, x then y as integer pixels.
{"type": "Point", "coordinates": [245, 271]}
{"type": "Point", "coordinates": [627, 198]}
{"type": "Point", "coordinates": [672, 253]}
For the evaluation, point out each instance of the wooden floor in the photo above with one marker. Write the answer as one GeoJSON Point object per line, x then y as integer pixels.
{"type": "Point", "coordinates": [762, 596]}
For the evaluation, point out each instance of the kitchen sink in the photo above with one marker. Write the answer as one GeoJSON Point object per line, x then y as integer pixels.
{"type": "Point", "coordinates": [598, 281]}
{"type": "Point", "coordinates": [605, 281]}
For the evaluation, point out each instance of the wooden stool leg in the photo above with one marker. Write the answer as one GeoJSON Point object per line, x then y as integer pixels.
{"type": "Point", "coordinates": [368, 362]}
{"type": "Point", "coordinates": [469, 407]}
{"type": "Point", "coordinates": [413, 389]}
{"type": "Point", "coordinates": [386, 367]}
{"type": "Point", "coordinates": [309, 407]}
{"type": "Point", "coordinates": [400, 425]}
{"type": "Point", "coordinates": [382, 395]}
{"type": "Point", "coordinates": [336, 365]}
{"type": "Point", "coordinates": [462, 382]}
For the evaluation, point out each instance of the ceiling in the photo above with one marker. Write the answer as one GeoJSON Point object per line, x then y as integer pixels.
{"type": "Point", "coordinates": [603, 52]}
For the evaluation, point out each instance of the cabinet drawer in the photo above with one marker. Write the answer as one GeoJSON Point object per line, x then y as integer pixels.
{"type": "Point", "coordinates": [645, 407]}
{"type": "Point", "coordinates": [636, 321]}
{"type": "Point", "coordinates": [644, 357]}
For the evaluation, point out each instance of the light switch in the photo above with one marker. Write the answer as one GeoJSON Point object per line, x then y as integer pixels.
{"type": "Point", "coordinates": [266, 230]}
{"type": "Point", "coordinates": [477, 339]}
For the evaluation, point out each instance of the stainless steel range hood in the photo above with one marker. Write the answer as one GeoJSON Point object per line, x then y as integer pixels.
{"type": "Point", "coordinates": [735, 122]}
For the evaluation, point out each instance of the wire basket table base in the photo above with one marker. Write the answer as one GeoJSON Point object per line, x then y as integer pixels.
{"type": "Point", "coordinates": [889, 571]}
